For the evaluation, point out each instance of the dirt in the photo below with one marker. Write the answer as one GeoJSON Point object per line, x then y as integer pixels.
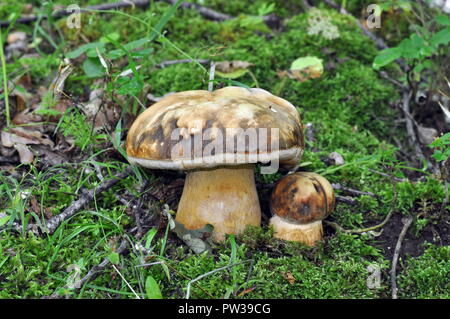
{"type": "Point", "coordinates": [412, 245]}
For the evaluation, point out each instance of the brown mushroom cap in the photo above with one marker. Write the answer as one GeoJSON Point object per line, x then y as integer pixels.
{"type": "Point", "coordinates": [149, 141]}
{"type": "Point", "coordinates": [302, 198]}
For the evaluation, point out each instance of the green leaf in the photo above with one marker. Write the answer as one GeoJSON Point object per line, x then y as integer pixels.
{"type": "Point", "coordinates": [114, 54]}
{"type": "Point", "coordinates": [150, 235]}
{"type": "Point", "coordinates": [232, 75]}
{"type": "Point", "coordinates": [114, 258]}
{"type": "Point", "coordinates": [152, 288]}
{"type": "Point", "coordinates": [385, 57]}
{"type": "Point", "coordinates": [112, 36]}
{"type": "Point", "coordinates": [80, 50]}
{"type": "Point", "coordinates": [130, 86]}
{"type": "Point", "coordinates": [442, 37]}
{"type": "Point", "coordinates": [93, 68]}
{"type": "Point", "coordinates": [163, 21]}
{"type": "Point", "coordinates": [307, 62]}
{"type": "Point", "coordinates": [4, 220]}
{"type": "Point", "coordinates": [443, 20]}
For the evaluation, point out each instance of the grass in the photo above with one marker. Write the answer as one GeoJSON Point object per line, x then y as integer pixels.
{"type": "Point", "coordinates": [348, 107]}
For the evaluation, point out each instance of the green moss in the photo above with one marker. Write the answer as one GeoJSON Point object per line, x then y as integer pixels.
{"type": "Point", "coordinates": [426, 276]}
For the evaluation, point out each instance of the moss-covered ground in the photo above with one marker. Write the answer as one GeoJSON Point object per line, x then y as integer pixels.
{"type": "Point", "coordinates": [351, 110]}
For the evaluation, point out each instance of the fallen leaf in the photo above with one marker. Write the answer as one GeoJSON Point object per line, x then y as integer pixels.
{"type": "Point", "coordinates": [26, 156]}
{"type": "Point", "coordinates": [16, 36]}
{"type": "Point", "coordinates": [24, 136]}
{"type": "Point", "coordinates": [303, 69]}
{"type": "Point", "coordinates": [337, 158]}
{"type": "Point", "coordinates": [290, 278]}
{"type": "Point", "coordinates": [232, 69]}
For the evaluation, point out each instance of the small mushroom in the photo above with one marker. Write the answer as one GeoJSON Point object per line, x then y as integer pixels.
{"type": "Point", "coordinates": [299, 203]}
{"type": "Point", "coordinates": [219, 189]}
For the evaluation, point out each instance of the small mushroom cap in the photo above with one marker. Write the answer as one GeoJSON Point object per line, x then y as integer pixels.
{"type": "Point", "coordinates": [302, 198]}
{"type": "Point", "coordinates": [220, 115]}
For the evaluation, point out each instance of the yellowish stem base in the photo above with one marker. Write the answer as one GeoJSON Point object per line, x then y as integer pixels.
{"type": "Point", "coordinates": [226, 198]}
{"type": "Point", "coordinates": [308, 234]}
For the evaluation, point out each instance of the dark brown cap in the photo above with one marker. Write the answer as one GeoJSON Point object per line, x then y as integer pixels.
{"type": "Point", "coordinates": [302, 198]}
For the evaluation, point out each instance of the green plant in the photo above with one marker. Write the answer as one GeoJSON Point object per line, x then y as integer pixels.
{"type": "Point", "coordinates": [441, 148]}
{"type": "Point", "coordinates": [419, 49]}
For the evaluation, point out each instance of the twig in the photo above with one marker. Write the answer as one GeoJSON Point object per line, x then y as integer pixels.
{"type": "Point", "coordinates": [188, 287]}
{"type": "Point", "coordinates": [95, 271]}
{"type": "Point", "coordinates": [367, 229]}
{"type": "Point", "coordinates": [445, 202]}
{"type": "Point", "coordinates": [212, 71]}
{"type": "Point", "coordinates": [387, 175]}
{"type": "Point", "coordinates": [165, 64]}
{"type": "Point", "coordinates": [352, 191]}
{"type": "Point", "coordinates": [345, 200]}
{"type": "Point", "coordinates": [126, 282]}
{"type": "Point", "coordinates": [410, 124]}
{"type": "Point", "coordinates": [86, 197]}
{"type": "Point", "coordinates": [5, 81]}
{"type": "Point", "coordinates": [408, 223]}
{"type": "Point", "coordinates": [205, 12]}
{"type": "Point", "coordinates": [64, 12]}
{"type": "Point", "coordinates": [9, 159]}
{"type": "Point", "coordinates": [385, 76]}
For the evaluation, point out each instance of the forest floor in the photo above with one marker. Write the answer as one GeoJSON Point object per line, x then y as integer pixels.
{"type": "Point", "coordinates": [77, 221]}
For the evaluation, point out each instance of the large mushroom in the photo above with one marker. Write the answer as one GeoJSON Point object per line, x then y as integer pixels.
{"type": "Point", "coordinates": [211, 135]}
{"type": "Point", "coordinates": [299, 202]}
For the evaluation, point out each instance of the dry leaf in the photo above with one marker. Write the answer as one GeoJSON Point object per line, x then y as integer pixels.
{"type": "Point", "coordinates": [26, 156]}
{"type": "Point", "coordinates": [231, 66]}
{"type": "Point", "coordinates": [290, 278]}
{"type": "Point", "coordinates": [24, 136]}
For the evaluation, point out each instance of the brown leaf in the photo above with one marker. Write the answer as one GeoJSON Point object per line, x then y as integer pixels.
{"type": "Point", "coordinates": [231, 66]}
{"type": "Point", "coordinates": [26, 156]}
{"type": "Point", "coordinates": [24, 136]}
{"type": "Point", "coordinates": [16, 36]}
{"type": "Point", "coordinates": [290, 278]}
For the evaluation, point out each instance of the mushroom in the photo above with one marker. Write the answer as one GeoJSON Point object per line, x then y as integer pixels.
{"type": "Point", "coordinates": [199, 131]}
{"type": "Point", "coordinates": [299, 203]}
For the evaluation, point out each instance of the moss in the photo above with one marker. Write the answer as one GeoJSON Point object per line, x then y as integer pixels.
{"type": "Point", "coordinates": [426, 276]}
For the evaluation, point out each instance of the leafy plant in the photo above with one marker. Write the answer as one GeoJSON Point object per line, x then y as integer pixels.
{"type": "Point", "coordinates": [441, 148]}
{"type": "Point", "coordinates": [419, 47]}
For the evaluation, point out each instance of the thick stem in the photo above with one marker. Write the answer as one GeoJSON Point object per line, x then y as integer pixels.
{"type": "Point", "coordinates": [226, 198]}
{"type": "Point", "coordinates": [308, 234]}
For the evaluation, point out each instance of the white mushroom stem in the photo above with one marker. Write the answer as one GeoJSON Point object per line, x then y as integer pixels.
{"type": "Point", "coordinates": [226, 198]}
{"type": "Point", "coordinates": [308, 234]}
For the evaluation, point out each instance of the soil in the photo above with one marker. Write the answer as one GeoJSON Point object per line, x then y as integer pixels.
{"type": "Point", "coordinates": [412, 245]}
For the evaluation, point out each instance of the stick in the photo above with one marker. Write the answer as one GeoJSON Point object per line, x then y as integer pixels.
{"type": "Point", "coordinates": [205, 12]}
{"type": "Point", "coordinates": [408, 223]}
{"type": "Point", "coordinates": [64, 12]}
{"type": "Point", "coordinates": [165, 64]}
{"type": "Point", "coordinates": [364, 230]}
{"type": "Point", "coordinates": [352, 191]}
{"type": "Point", "coordinates": [410, 125]}
{"type": "Point", "coordinates": [345, 200]}
{"type": "Point", "coordinates": [188, 288]}
{"type": "Point", "coordinates": [86, 197]}
{"type": "Point", "coordinates": [126, 282]}
{"type": "Point", "coordinates": [212, 70]}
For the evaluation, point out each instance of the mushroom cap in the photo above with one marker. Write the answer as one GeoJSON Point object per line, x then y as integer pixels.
{"type": "Point", "coordinates": [225, 114]}
{"type": "Point", "coordinates": [302, 197]}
